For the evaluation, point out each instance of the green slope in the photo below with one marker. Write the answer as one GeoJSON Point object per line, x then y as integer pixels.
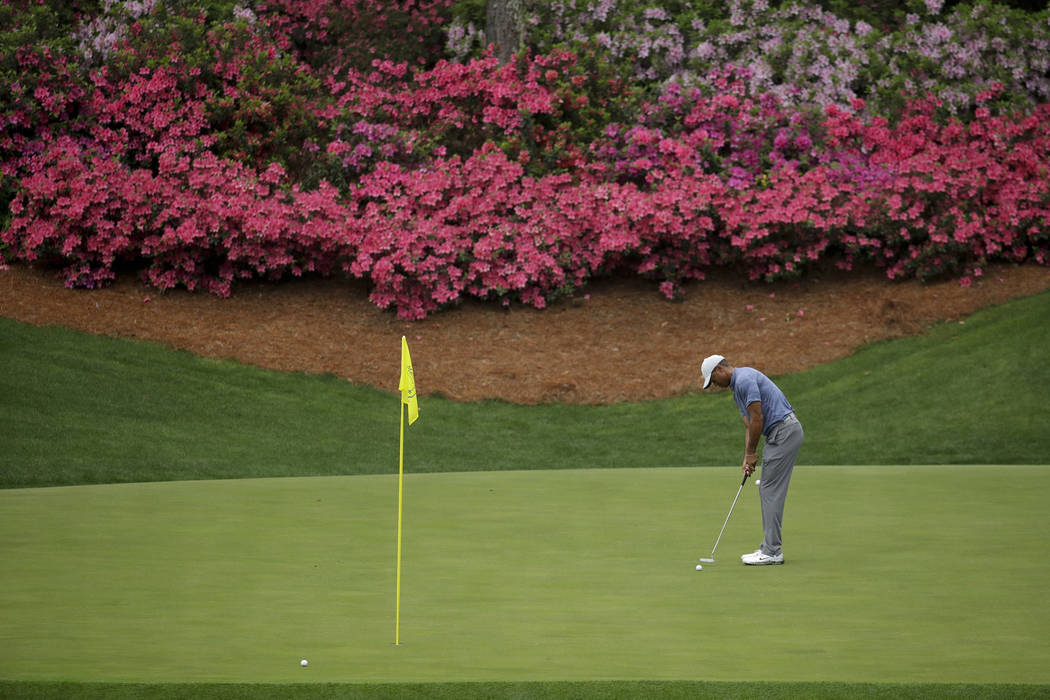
{"type": "Point", "coordinates": [82, 409]}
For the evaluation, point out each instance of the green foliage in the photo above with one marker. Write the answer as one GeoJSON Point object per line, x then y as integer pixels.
{"type": "Point", "coordinates": [885, 15]}
{"type": "Point", "coordinates": [470, 11]}
{"type": "Point", "coordinates": [31, 33]}
{"type": "Point", "coordinates": [816, 52]}
{"type": "Point", "coordinates": [354, 34]}
{"type": "Point", "coordinates": [983, 47]}
{"type": "Point", "coordinates": [37, 44]}
{"type": "Point", "coordinates": [52, 22]}
{"type": "Point", "coordinates": [258, 101]}
{"type": "Point", "coordinates": [592, 94]}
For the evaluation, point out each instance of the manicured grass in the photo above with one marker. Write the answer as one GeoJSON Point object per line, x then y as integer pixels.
{"type": "Point", "coordinates": [894, 575]}
{"type": "Point", "coordinates": [627, 690]}
{"type": "Point", "coordinates": [901, 582]}
{"type": "Point", "coordinates": [83, 409]}
{"type": "Point", "coordinates": [966, 392]}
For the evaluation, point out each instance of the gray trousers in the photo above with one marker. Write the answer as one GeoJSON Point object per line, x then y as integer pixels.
{"type": "Point", "coordinates": [778, 461]}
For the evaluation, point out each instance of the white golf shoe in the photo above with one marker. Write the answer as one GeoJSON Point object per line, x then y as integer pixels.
{"type": "Point", "coordinates": [757, 558]}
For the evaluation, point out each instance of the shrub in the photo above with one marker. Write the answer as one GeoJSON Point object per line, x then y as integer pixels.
{"type": "Point", "coordinates": [203, 145]}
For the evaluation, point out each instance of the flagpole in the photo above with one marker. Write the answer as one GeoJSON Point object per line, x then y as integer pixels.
{"type": "Point", "coordinates": [407, 387]}
{"type": "Point", "coordinates": [400, 491]}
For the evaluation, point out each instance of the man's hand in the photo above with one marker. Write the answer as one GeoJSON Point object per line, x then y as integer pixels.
{"type": "Point", "coordinates": [750, 463]}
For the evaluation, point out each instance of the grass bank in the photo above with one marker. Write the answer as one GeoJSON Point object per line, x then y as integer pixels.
{"type": "Point", "coordinates": [82, 409]}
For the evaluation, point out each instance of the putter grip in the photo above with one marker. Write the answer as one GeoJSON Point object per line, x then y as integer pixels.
{"type": "Point", "coordinates": [744, 479]}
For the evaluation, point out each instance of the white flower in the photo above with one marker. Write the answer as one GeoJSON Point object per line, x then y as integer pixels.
{"type": "Point", "coordinates": [244, 13]}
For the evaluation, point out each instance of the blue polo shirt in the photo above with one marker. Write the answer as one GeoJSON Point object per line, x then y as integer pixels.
{"type": "Point", "coordinates": [750, 385]}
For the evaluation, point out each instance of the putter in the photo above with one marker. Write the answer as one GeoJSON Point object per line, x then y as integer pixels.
{"type": "Point", "coordinates": [711, 559]}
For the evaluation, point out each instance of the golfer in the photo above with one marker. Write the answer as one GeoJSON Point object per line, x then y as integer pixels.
{"type": "Point", "coordinates": [766, 412]}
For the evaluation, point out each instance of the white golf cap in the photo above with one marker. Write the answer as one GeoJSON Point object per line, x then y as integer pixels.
{"type": "Point", "coordinates": [708, 366]}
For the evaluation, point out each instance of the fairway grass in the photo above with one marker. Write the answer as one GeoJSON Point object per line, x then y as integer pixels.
{"type": "Point", "coordinates": [893, 575]}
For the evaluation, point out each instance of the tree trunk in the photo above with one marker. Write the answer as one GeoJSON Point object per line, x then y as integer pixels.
{"type": "Point", "coordinates": [504, 27]}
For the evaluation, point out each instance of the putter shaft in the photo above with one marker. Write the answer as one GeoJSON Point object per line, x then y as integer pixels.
{"type": "Point", "coordinates": [727, 517]}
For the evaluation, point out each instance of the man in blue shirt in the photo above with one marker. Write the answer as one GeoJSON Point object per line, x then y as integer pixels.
{"type": "Point", "coordinates": [766, 413]}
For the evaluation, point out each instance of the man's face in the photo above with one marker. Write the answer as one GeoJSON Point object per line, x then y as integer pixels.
{"type": "Point", "coordinates": [721, 376]}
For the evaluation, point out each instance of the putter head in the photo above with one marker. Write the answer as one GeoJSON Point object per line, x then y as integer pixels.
{"type": "Point", "coordinates": [707, 560]}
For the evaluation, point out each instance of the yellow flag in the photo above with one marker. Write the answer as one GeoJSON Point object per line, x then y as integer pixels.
{"type": "Point", "coordinates": [408, 383]}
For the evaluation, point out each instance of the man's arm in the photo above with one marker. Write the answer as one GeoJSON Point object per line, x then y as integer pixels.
{"type": "Point", "coordinates": [752, 434]}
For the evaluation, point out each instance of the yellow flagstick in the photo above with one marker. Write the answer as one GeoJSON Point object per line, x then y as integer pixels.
{"type": "Point", "coordinates": [400, 492]}
{"type": "Point", "coordinates": [407, 386]}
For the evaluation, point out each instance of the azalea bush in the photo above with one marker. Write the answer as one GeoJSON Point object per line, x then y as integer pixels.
{"type": "Point", "coordinates": [480, 226]}
{"type": "Point", "coordinates": [329, 33]}
{"type": "Point", "coordinates": [806, 54]}
{"type": "Point", "coordinates": [41, 86]}
{"type": "Point", "coordinates": [202, 145]}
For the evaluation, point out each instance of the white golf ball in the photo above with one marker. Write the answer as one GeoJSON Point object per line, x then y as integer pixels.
{"type": "Point", "coordinates": [757, 482]}
{"type": "Point", "coordinates": [304, 663]}
{"type": "Point", "coordinates": [699, 567]}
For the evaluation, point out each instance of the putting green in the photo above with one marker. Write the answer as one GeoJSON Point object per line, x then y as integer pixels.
{"type": "Point", "coordinates": [893, 575]}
